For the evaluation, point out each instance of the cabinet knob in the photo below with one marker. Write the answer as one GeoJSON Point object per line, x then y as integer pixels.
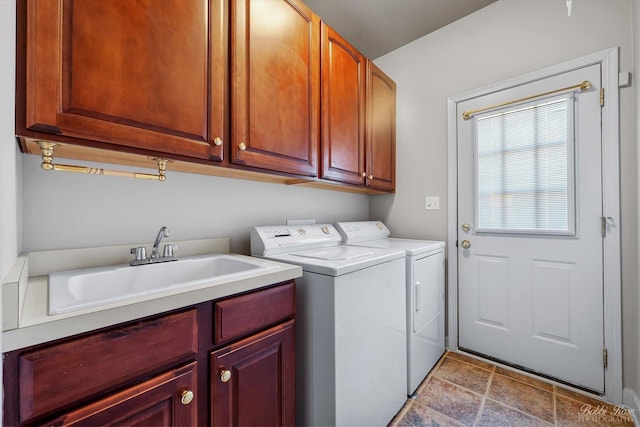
{"type": "Point", "coordinates": [217, 140]}
{"type": "Point", "coordinates": [370, 177]}
{"type": "Point", "coordinates": [363, 174]}
{"type": "Point", "coordinates": [242, 146]}
{"type": "Point", "coordinates": [186, 397]}
{"type": "Point", "coordinates": [225, 375]}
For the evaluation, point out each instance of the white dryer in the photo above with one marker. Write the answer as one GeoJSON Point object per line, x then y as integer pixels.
{"type": "Point", "coordinates": [424, 292]}
{"type": "Point", "coordinates": [350, 325]}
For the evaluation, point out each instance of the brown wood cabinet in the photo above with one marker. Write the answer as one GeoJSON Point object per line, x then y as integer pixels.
{"type": "Point", "coordinates": [275, 66]}
{"type": "Point", "coordinates": [253, 380]}
{"type": "Point", "coordinates": [165, 370]}
{"type": "Point", "coordinates": [256, 89]}
{"type": "Point", "coordinates": [141, 75]}
{"type": "Point", "coordinates": [164, 400]}
{"type": "Point", "coordinates": [358, 117]}
{"type": "Point", "coordinates": [343, 110]}
{"type": "Point", "coordinates": [381, 130]}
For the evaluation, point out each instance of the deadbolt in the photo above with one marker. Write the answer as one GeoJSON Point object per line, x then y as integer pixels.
{"type": "Point", "coordinates": [465, 227]}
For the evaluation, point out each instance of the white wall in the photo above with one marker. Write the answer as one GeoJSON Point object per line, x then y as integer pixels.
{"type": "Point", "coordinates": [506, 39]}
{"type": "Point", "coordinates": [8, 165]}
{"type": "Point", "coordinates": [66, 210]}
{"type": "Point", "coordinates": [636, 90]}
{"type": "Point", "coordinates": [8, 147]}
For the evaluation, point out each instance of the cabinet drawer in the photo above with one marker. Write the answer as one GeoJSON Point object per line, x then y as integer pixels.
{"type": "Point", "coordinates": [239, 316]}
{"type": "Point", "coordinates": [61, 374]}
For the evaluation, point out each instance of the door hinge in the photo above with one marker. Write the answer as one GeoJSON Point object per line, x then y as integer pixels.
{"type": "Point", "coordinates": [605, 357]}
{"type": "Point", "coordinates": [602, 97]}
{"type": "Point", "coordinates": [603, 225]}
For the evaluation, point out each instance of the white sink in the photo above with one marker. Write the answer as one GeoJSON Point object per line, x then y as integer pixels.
{"type": "Point", "coordinates": [90, 287]}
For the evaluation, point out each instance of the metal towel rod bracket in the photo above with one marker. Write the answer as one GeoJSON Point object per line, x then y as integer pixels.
{"type": "Point", "coordinates": [47, 164]}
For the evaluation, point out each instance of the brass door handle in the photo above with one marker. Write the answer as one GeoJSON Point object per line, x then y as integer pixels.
{"type": "Point", "coordinates": [465, 244]}
{"type": "Point", "coordinates": [465, 227]}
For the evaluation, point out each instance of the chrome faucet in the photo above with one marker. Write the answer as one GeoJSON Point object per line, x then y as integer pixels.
{"type": "Point", "coordinates": [164, 232]}
{"type": "Point", "coordinates": [141, 253]}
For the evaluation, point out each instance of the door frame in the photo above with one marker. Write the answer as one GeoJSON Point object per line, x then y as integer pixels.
{"type": "Point", "coordinates": [608, 59]}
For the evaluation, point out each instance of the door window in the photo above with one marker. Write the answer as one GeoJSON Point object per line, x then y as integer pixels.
{"type": "Point", "coordinates": [524, 168]}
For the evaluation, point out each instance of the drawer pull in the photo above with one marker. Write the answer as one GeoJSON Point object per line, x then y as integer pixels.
{"type": "Point", "coordinates": [225, 375]}
{"type": "Point", "coordinates": [186, 397]}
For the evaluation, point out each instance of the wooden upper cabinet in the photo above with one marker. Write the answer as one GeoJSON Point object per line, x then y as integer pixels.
{"type": "Point", "coordinates": [343, 110]}
{"type": "Point", "coordinates": [275, 85]}
{"type": "Point", "coordinates": [381, 130]}
{"type": "Point", "coordinates": [147, 75]}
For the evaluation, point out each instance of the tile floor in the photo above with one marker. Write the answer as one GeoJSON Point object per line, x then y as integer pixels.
{"type": "Point", "coordinates": [462, 391]}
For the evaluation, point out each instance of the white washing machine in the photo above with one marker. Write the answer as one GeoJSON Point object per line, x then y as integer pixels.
{"type": "Point", "coordinates": [351, 354]}
{"type": "Point", "coordinates": [425, 292]}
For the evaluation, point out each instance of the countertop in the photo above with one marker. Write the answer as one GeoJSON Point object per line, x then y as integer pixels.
{"type": "Point", "coordinates": [26, 320]}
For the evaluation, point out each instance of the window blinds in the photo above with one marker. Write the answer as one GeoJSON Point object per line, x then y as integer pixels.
{"type": "Point", "coordinates": [524, 169]}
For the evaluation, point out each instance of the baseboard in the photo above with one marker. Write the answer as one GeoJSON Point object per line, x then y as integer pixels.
{"type": "Point", "coordinates": [630, 398]}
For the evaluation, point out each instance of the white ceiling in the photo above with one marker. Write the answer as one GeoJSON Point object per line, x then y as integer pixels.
{"type": "Point", "coordinates": [376, 27]}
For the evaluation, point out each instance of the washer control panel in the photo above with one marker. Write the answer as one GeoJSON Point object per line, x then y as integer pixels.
{"type": "Point", "coordinates": [362, 231]}
{"type": "Point", "coordinates": [269, 240]}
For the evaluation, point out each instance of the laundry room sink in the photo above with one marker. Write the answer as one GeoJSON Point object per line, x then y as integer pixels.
{"type": "Point", "coordinates": [90, 287]}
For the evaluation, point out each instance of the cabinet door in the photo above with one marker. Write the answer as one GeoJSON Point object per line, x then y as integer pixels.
{"type": "Point", "coordinates": [253, 380]}
{"type": "Point", "coordinates": [381, 130]}
{"type": "Point", "coordinates": [161, 401]}
{"type": "Point", "coordinates": [144, 75]}
{"type": "Point", "coordinates": [343, 109]}
{"type": "Point", "coordinates": [275, 85]}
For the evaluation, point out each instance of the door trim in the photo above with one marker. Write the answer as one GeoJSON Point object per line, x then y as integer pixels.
{"type": "Point", "coordinates": [608, 59]}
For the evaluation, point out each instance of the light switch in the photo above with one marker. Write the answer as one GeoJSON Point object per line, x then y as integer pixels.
{"type": "Point", "coordinates": [432, 202]}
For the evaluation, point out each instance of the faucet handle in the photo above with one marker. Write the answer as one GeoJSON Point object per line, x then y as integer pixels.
{"type": "Point", "coordinates": [168, 249]}
{"type": "Point", "coordinates": [140, 253]}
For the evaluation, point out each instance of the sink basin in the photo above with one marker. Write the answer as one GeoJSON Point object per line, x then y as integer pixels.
{"type": "Point", "coordinates": [90, 287]}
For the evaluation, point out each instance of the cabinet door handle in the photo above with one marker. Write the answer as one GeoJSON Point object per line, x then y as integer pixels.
{"type": "Point", "coordinates": [217, 140]}
{"type": "Point", "coordinates": [225, 375]}
{"type": "Point", "coordinates": [242, 146]}
{"type": "Point", "coordinates": [370, 177]}
{"type": "Point", "coordinates": [186, 397]}
{"type": "Point", "coordinates": [363, 174]}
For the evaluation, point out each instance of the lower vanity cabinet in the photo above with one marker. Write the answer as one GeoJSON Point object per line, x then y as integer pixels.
{"type": "Point", "coordinates": [76, 378]}
{"type": "Point", "coordinates": [253, 380]}
{"type": "Point", "coordinates": [165, 370]}
{"type": "Point", "coordinates": [164, 400]}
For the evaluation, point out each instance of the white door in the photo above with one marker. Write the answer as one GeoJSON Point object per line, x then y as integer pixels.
{"type": "Point", "coordinates": [530, 257]}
